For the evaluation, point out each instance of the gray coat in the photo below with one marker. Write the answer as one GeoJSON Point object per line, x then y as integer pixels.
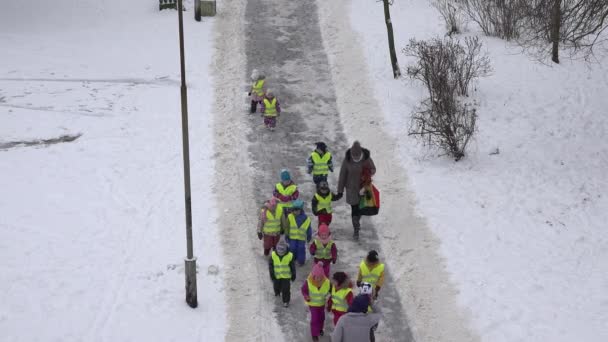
{"type": "Point", "coordinates": [350, 175]}
{"type": "Point", "coordinates": [356, 326]}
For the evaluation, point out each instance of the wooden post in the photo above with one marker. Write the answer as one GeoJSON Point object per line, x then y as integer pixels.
{"type": "Point", "coordinates": [556, 20]}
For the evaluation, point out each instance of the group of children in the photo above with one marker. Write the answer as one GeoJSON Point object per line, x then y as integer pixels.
{"type": "Point", "coordinates": [270, 108]}
{"type": "Point", "coordinates": [286, 230]}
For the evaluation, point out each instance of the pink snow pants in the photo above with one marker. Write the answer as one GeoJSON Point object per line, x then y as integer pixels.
{"type": "Point", "coordinates": [317, 320]}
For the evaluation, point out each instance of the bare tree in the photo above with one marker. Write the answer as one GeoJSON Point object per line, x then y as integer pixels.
{"type": "Point", "coordinates": [446, 68]}
{"type": "Point", "coordinates": [575, 24]}
{"type": "Point", "coordinates": [391, 39]}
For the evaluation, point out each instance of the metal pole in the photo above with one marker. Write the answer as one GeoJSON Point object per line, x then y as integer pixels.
{"type": "Point", "coordinates": [190, 259]}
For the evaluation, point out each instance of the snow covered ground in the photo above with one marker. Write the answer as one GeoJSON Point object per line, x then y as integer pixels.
{"type": "Point", "coordinates": [522, 232]}
{"type": "Point", "coordinates": [92, 232]}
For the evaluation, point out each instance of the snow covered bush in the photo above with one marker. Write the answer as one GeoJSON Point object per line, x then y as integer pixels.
{"type": "Point", "coordinates": [499, 18]}
{"type": "Point", "coordinates": [446, 119]}
{"type": "Point", "coordinates": [452, 15]}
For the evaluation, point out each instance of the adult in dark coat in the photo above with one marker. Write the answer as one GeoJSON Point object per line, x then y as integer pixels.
{"type": "Point", "coordinates": [356, 169]}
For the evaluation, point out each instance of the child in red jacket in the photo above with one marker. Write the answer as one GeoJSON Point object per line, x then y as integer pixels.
{"type": "Point", "coordinates": [324, 249]}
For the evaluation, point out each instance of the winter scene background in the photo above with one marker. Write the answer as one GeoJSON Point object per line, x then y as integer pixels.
{"type": "Point", "coordinates": [507, 244]}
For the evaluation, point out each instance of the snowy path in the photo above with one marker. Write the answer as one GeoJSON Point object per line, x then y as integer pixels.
{"type": "Point", "coordinates": [283, 39]}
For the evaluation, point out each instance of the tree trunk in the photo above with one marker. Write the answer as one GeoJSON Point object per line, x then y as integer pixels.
{"type": "Point", "coordinates": [556, 19]}
{"type": "Point", "coordinates": [391, 40]}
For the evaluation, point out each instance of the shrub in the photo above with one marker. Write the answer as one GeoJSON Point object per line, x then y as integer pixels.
{"type": "Point", "coordinates": [449, 10]}
{"type": "Point", "coordinates": [499, 18]}
{"type": "Point", "coordinates": [446, 68]}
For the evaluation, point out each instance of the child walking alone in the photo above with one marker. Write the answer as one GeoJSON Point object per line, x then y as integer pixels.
{"type": "Point", "coordinates": [282, 270]}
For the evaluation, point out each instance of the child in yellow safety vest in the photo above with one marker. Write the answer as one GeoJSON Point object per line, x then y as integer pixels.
{"type": "Point", "coordinates": [319, 163]}
{"type": "Point", "coordinates": [324, 249]}
{"type": "Point", "coordinates": [315, 290]}
{"type": "Point", "coordinates": [286, 191]}
{"type": "Point", "coordinates": [282, 270]}
{"type": "Point", "coordinates": [258, 89]}
{"type": "Point", "coordinates": [271, 109]}
{"type": "Point", "coordinates": [270, 224]}
{"type": "Point", "coordinates": [321, 203]}
{"type": "Point", "coordinates": [341, 295]}
{"type": "Point", "coordinates": [371, 271]}
{"type": "Point", "coordinates": [298, 231]}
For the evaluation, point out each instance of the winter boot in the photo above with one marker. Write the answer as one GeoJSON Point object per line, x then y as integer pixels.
{"type": "Point", "coordinates": [356, 226]}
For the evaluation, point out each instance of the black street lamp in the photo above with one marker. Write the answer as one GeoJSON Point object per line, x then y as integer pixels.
{"type": "Point", "coordinates": [190, 260]}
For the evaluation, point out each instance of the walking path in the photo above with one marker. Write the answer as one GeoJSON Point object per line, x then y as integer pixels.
{"type": "Point", "coordinates": [283, 39]}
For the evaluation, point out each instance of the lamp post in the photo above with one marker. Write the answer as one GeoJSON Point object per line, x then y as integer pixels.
{"type": "Point", "coordinates": [190, 260]}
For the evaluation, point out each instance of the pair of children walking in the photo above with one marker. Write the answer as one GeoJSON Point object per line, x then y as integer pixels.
{"type": "Point", "coordinates": [270, 107]}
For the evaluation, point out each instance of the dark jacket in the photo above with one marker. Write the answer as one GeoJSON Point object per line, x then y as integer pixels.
{"type": "Point", "coordinates": [351, 175]}
{"type": "Point", "coordinates": [315, 203]}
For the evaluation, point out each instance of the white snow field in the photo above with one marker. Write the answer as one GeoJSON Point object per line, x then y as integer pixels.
{"type": "Point", "coordinates": [523, 232]}
{"type": "Point", "coordinates": [92, 232]}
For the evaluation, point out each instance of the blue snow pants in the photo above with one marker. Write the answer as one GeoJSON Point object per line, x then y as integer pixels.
{"type": "Point", "coordinates": [298, 248]}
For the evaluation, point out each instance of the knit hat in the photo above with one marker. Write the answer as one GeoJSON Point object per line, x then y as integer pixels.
{"type": "Point", "coordinates": [372, 256]}
{"type": "Point", "coordinates": [359, 304]}
{"type": "Point", "coordinates": [255, 74]}
{"type": "Point", "coordinates": [317, 270]}
{"type": "Point", "coordinates": [298, 204]}
{"type": "Point", "coordinates": [285, 176]}
{"type": "Point", "coordinates": [356, 150]}
{"type": "Point", "coordinates": [281, 248]}
{"type": "Point", "coordinates": [269, 93]}
{"type": "Point", "coordinates": [323, 233]}
{"type": "Point", "coordinates": [321, 146]}
{"type": "Point", "coordinates": [340, 278]}
{"type": "Point", "coordinates": [271, 203]}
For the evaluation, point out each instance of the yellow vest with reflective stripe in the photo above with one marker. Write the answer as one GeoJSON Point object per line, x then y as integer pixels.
{"type": "Point", "coordinates": [324, 202]}
{"type": "Point", "coordinates": [281, 266]}
{"type": "Point", "coordinates": [286, 192]}
{"type": "Point", "coordinates": [323, 252]}
{"type": "Point", "coordinates": [258, 87]}
{"type": "Point", "coordinates": [295, 232]}
{"type": "Point", "coordinates": [273, 221]}
{"type": "Point", "coordinates": [270, 107]}
{"type": "Point", "coordinates": [318, 295]}
{"type": "Point", "coordinates": [320, 166]}
{"type": "Point", "coordinates": [370, 276]}
{"type": "Point", "coordinates": [338, 299]}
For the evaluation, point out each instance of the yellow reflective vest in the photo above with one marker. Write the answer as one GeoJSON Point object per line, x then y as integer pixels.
{"type": "Point", "coordinates": [270, 107]}
{"type": "Point", "coordinates": [285, 191]}
{"type": "Point", "coordinates": [318, 295]}
{"type": "Point", "coordinates": [281, 266]}
{"type": "Point", "coordinates": [273, 221]}
{"type": "Point", "coordinates": [258, 87]}
{"type": "Point", "coordinates": [324, 202]}
{"type": "Point", "coordinates": [323, 252]}
{"type": "Point", "coordinates": [338, 299]}
{"type": "Point", "coordinates": [320, 164]}
{"type": "Point", "coordinates": [295, 232]}
{"type": "Point", "coordinates": [370, 276]}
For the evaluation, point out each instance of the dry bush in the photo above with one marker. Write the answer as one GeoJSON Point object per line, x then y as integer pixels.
{"type": "Point", "coordinates": [452, 15]}
{"type": "Point", "coordinates": [498, 18]}
{"type": "Point", "coordinates": [446, 68]}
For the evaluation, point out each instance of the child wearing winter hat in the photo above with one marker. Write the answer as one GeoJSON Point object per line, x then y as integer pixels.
{"type": "Point", "coordinates": [324, 249]}
{"type": "Point", "coordinates": [258, 89]}
{"type": "Point", "coordinates": [271, 109]}
{"type": "Point", "coordinates": [320, 163]}
{"type": "Point", "coordinates": [341, 295]}
{"type": "Point", "coordinates": [298, 231]}
{"type": "Point", "coordinates": [282, 270]}
{"type": "Point", "coordinates": [286, 191]}
{"type": "Point", "coordinates": [270, 224]}
{"type": "Point", "coordinates": [321, 203]}
{"type": "Point", "coordinates": [315, 291]}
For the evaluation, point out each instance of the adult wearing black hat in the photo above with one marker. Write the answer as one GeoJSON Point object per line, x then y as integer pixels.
{"type": "Point", "coordinates": [320, 163]}
{"type": "Point", "coordinates": [357, 166]}
{"type": "Point", "coordinates": [357, 325]}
